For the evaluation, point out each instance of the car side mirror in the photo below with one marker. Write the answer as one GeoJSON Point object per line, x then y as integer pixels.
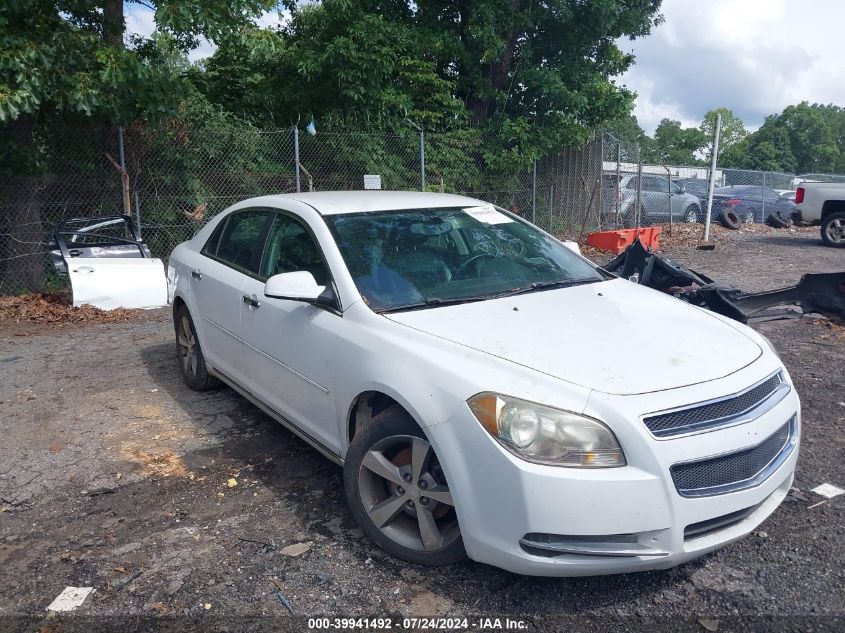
{"type": "Point", "coordinates": [295, 286]}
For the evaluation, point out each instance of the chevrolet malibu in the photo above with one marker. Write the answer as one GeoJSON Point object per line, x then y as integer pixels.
{"type": "Point", "coordinates": [488, 392]}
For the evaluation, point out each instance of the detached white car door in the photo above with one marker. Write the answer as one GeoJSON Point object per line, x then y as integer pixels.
{"type": "Point", "coordinates": [231, 253]}
{"type": "Point", "coordinates": [291, 344]}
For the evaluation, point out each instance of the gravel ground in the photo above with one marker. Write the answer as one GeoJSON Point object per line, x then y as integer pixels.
{"type": "Point", "coordinates": [172, 503]}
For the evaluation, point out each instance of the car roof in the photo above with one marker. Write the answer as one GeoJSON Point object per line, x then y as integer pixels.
{"type": "Point", "coordinates": [336, 202]}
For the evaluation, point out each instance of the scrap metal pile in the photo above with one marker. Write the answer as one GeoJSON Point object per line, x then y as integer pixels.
{"type": "Point", "coordinates": [816, 292]}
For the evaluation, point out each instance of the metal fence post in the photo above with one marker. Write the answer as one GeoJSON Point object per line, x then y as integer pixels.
{"type": "Point", "coordinates": [600, 166]}
{"type": "Point", "coordinates": [763, 196]}
{"type": "Point", "coordinates": [296, 155]}
{"type": "Point", "coordinates": [422, 160]}
{"type": "Point", "coordinates": [422, 151]}
{"type": "Point", "coordinates": [534, 194]}
{"type": "Point", "coordinates": [618, 180]}
{"type": "Point", "coordinates": [137, 213]}
{"type": "Point", "coordinates": [638, 216]}
{"type": "Point", "coordinates": [124, 180]}
{"type": "Point", "coordinates": [712, 179]}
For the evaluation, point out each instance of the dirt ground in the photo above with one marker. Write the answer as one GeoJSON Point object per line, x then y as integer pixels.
{"type": "Point", "coordinates": [178, 507]}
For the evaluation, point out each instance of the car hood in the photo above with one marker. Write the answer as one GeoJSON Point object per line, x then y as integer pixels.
{"type": "Point", "coordinates": [616, 337]}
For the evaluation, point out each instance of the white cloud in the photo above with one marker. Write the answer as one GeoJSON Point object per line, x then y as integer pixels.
{"type": "Point", "coordinates": [753, 56]}
{"type": "Point", "coordinates": [273, 19]}
{"type": "Point", "coordinates": [139, 20]}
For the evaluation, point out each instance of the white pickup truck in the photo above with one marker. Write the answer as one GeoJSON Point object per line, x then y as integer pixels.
{"type": "Point", "coordinates": [823, 203]}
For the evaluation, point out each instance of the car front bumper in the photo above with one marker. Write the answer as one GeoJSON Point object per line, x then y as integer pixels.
{"type": "Point", "coordinates": [552, 521]}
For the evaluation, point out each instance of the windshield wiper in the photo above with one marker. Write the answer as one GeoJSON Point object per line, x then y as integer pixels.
{"type": "Point", "coordinates": [546, 285]}
{"type": "Point", "coordinates": [433, 302]}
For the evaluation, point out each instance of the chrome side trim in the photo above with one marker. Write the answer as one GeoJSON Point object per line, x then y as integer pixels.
{"type": "Point", "coordinates": [581, 548]}
{"type": "Point", "coordinates": [325, 451]}
{"type": "Point", "coordinates": [755, 480]}
{"type": "Point", "coordinates": [267, 356]}
{"type": "Point", "coordinates": [743, 417]}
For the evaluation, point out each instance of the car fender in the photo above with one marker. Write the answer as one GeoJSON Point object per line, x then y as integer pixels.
{"type": "Point", "coordinates": [431, 377]}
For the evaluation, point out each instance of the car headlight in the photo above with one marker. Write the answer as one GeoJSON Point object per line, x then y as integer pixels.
{"type": "Point", "coordinates": [545, 435]}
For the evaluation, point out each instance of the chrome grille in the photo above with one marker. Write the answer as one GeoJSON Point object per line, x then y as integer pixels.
{"type": "Point", "coordinates": [712, 414]}
{"type": "Point", "coordinates": [735, 471]}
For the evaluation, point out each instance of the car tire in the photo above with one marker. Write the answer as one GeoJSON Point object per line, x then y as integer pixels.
{"type": "Point", "coordinates": [388, 472]}
{"type": "Point", "coordinates": [729, 219]}
{"type": "Point", "coordinates": [777, 222]}
{"type": "Point", "coordinates": [691, 214]}
{"type": "Point", "coordinates": [189, 353]}
{"type": "Point", "coordinates": [833, 229]}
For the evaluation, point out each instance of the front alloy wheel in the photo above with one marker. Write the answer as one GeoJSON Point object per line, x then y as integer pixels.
{"type": "Point", "coordinates": [398, 493]}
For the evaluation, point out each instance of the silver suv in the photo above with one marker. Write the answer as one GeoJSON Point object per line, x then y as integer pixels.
{"type": "Point", "coordinates": [619, 199]}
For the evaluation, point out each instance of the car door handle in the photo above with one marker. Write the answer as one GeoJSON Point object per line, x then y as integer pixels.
{"type": "Point", "coordinates": [252, 301]}
{"type": "Point", "coordinates": [196, 274]}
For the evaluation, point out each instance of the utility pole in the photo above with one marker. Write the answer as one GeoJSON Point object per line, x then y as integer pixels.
{"type": "Point", "coordinates": [713, 162]}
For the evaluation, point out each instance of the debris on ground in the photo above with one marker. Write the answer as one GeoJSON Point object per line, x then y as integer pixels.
{"type": "Point", "coordinates": [828, 490]}
{"type": "Point", "coordinates": [281, 596]}
{"type": "Point", "coordinates": [56, 308]}
{"type": "Point", "coordinates": [709, 625]}
{"type": "Point", "coordinates": [70, 599]}
{"type": "Point", "coordinates": [285, 602]}
{"type": "Point", "coordinates": [815, 292]}
{"type": "Point", "coordinates": [297, 549]}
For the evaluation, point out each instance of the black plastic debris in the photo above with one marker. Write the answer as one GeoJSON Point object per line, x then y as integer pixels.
{"type": "Point", "coordinates": [816, 292]}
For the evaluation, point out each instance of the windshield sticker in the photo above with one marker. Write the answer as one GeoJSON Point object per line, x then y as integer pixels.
{"type": "Point", "coordinates": [487, 214]}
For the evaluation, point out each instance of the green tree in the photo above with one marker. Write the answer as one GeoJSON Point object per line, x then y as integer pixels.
{"type": "Point", "coordinates": [68, 58]}
{"type": "Point", "coordinates": [675, 145]}
{"type": "Point", "coordinates": [633, 140]}
{"type": "Point", "coordinates": [803, 138]}
{"type": "Point", "coordinates": [769, 149]}
{"type": "Point", "coordinates": [548, 62]}
{"type": "Point", "coordinates": [732, 131]}
{"type": "Point", "coordinates": [334, 62]}
{"type": "Point", "coordinates": [529, 74]}
{"type": "Point", "coordinates": [813, 132]}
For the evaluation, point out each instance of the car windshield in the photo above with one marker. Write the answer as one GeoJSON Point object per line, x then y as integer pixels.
{"type": "Point", "coordinates": [419, 258]}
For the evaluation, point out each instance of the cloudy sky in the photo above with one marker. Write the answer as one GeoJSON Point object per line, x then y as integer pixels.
{"type": "Point", "coordinates": [753, 56]}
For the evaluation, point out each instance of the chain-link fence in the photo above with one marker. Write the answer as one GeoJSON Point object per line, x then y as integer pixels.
{"type": "Point", "coordinates": [178, 177]}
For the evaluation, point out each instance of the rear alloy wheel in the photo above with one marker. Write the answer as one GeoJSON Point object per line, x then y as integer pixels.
{"type": "Point", "coordinates": [691, 215]}
{"type": "Point", "coordinates": [189, 354]}
{"type": "Point", "coordinates": [833, 229]}
{"type": "Point", "coordinates": [398, 493]}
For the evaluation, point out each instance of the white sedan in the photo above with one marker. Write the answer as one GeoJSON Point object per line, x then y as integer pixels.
{"type": "Point", "coordinates": [488, 392]}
